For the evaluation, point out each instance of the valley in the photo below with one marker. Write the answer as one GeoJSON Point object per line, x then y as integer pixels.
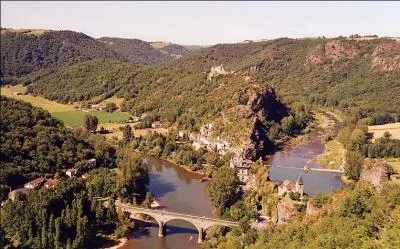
{"type": "Point", "coordinates": [281, 136]}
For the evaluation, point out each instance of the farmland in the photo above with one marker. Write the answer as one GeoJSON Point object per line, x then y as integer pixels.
{"type": "Point", "coordinates": [377, 131]}
{"type": "Point", "coordinates": [66, 113]}
{"type": "Point", "coordinates": [50, 106]}
{"type": "Point", "coordinates": [75, 118]}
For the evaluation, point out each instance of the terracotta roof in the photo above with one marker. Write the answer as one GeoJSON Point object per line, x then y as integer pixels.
{"type": "Point", "coordinates": [51, 182]}
{"type": "Point", "coordinates": [37, 181]}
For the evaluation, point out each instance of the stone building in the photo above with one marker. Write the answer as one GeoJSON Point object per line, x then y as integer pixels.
{"type": "Point", "coordinates": [288, 186]}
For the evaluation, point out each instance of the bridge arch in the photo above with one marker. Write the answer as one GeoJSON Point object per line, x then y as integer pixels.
{"type": "Point", "coordinates": [199, 228]}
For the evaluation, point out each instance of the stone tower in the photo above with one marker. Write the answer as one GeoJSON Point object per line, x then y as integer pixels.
{"type": "Point", "coordinates": [300, 186]}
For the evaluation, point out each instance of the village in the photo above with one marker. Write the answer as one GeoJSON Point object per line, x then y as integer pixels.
{"type": "Point", "coordinates": [51, 183]}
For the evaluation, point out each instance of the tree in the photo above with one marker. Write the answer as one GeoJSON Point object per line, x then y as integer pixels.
{"type": "Point", "coordinates": [353, 165]}
{"type": "Point", "coordinates": [224, 189]}
{"type": "Point", "coordinates": [90, 123]}
{"type": "Point", "coordinates": [133, 176]}
{"type": "Point", "coordinates": [111, 107]}
{"type": "Point", "coordinates": [387, 135]}
{"type": "Point", "coordinates": [127, 133]}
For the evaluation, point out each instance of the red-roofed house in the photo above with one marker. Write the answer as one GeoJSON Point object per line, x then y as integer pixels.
{"type": "Point", "coordinates": [50, 183]}
{"type": "Point", "coordinates": [71, 172]}
{"type": "Point", "coordinates": [35, 183]}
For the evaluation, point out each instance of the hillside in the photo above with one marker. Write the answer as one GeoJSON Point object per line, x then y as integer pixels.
{"type": "Point", "coordinates": [237, 87]}
{"type": "Point", "coordinates": [24, 51]}
{"type": "Point", "coordinates": [346, 74]}
{"type": "Point", "coordinates": [142, 52]}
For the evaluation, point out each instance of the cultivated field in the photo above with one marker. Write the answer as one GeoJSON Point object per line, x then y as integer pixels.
{"type": "Point", "coordinates": [75, 118]}
{"type": "Point", "coordinates": [63, 112]}
{"type": "Point", "coordinates": [378, 130]}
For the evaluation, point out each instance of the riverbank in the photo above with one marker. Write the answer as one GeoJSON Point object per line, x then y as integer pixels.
{"type": "Point", "coordinates": [121, 242]}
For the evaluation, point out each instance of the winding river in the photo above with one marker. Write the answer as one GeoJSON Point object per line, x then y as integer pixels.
{"type": "Point", "coordinates": [179, 190]}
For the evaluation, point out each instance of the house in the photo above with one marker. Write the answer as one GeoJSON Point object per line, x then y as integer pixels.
{"type": "Point", "coordinates": [50, 183]}
{"type": "Point", "coordinates": [35, 183]}
{"type": "Point", "coordinates": [71, 172]}
{"type": "Point", "coordinates": [242, 167]}
{"type": "Point", "coordinates": [156, 124]}
{"type": "Point", "coordinates": [184, 134]}
{"type": "Point", "coordinates": [288, 186]}
{"type": "Point", "coordinates": [85, 176]}
{"type": "Point", "coordinates": [17, 192]}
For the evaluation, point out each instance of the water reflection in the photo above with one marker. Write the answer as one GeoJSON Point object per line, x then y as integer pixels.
{"type": "Point", "coordinates": [180, 191]}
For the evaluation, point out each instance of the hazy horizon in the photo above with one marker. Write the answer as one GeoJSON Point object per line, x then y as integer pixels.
{"type": "Point", "coordinates": [206, 23]}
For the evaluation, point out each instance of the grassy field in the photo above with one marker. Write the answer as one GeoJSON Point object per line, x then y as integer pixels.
{"type": "Point", "coordinates": [331, 158]}
{"type": "Point", "coordinates": [75, 118]}
{"type": "Point", "coordinates": [378, 130]}
{"type": "Point", "coordinates": [50, 106]}
{"type": "Point", "coordinates": [63, 112]}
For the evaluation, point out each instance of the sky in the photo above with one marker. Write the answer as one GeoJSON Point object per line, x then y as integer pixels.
{"type": "Point", "coordinates": [206, 23]}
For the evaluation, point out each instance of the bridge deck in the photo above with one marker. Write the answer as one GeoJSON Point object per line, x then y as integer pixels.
{"type": "Point", "coordinates": [163, 212]}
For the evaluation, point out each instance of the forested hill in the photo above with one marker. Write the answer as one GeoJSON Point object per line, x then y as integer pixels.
{"type": "Point", "coordinates": [33, 142]}
{"type": "Point", "coordinates": [356, 75]}
{"type": "Point", "coordinates": [142, 52]}
{"type": "Point", "coordinates": [26, 51]}
{"type": "Point", "coordinates": [353, 75]}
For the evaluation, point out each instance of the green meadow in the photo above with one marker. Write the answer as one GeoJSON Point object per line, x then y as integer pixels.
{"type": "Point", "coordinates": [75, 118]}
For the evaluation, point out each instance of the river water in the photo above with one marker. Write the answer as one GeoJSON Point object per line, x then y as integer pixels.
{"type": "Point", "coordinates": [179, 190]}
{"type": "Point", "coordinates": [300, 155]}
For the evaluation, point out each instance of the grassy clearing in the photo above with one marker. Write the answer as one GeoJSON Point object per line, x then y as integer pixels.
{"type": "Point", "coordinates": [395, 163]}
{"type": "Point", "coordinates": [75, 118]}
{"type": "Point", "coordinates": [378, 130]}
{"type": "Point", "coordinates": [113, 99]}
{"type": "Point", "coordinates": [50, 106]}
{"type": "Point", "coordinates": [331, 158]}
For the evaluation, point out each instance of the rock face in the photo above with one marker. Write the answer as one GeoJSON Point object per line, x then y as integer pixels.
{"type": "Point", "coordinates": [332, 51]}
{"type": "Point", "coordinates": [218, 70]}
{"type": "Point", "coordinates": [285, 210]}
{"type": "Point", "coordinates": [384, 57]}
{"type": "Point", "coordinates": [311, 210]}
{"type": "Point", "coordinates": [375, 172]}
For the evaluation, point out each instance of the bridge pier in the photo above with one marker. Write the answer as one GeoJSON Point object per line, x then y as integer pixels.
{"type": "Point", "coordinates": [200, 237]}
{"type": "Point", "coordinates": [161, 229]}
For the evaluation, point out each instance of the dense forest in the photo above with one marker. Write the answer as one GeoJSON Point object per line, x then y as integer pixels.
{"type": "Point", "coordinates": [26, 51]}
{"type": "Point", "coordinates": [68, 215]}
{"type": "Point", "coordinates": [33, 142]}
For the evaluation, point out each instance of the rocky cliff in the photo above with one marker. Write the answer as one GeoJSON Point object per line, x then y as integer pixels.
{"type": "Point", "coordinates": [375, 172]}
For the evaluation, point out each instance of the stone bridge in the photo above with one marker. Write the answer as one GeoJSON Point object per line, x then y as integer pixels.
{"type": "Point", "coordinates": [162, 218]}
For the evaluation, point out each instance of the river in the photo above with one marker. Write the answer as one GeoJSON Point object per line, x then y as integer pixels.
{"type": "Point", "coordinates": [179, 190]}
{"type": "Point", "coordinates": [300, 155]}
